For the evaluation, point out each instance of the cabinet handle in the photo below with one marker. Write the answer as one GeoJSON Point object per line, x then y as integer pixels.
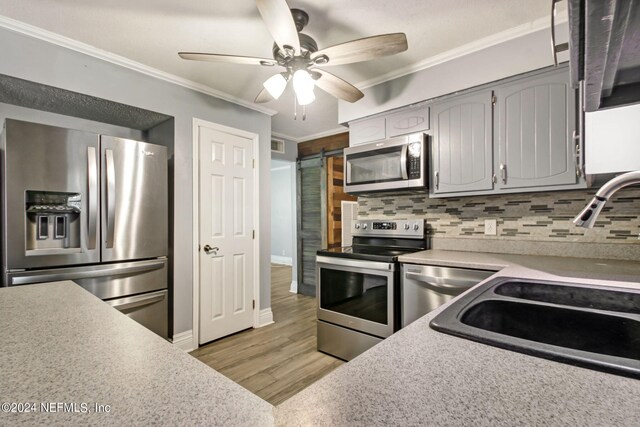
{"type": "Point", "coordinates": [555, 48]}
{"type": "Point", "coordinates": [437, 179]}
{"type": "Point", "coordinates": [503, 173]}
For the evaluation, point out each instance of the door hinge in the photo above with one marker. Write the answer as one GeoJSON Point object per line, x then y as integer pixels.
{"type": "Point", "coordinates": [198, 248]}
{"type": "Point", "coordinates": [494, 99]}
{"type": "Point", "coordinates": [254, 234]}
{"type": "Point", "coordinates": [253, 163]}
{"type": "Point", "coordinates": [254, 304]}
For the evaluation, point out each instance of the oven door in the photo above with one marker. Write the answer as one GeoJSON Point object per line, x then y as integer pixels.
{"type": "Point", "coordinates": [356, 294]}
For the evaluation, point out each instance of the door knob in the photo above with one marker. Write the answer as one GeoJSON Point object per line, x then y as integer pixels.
{"type": "Point", "coordinates": [209, 250]}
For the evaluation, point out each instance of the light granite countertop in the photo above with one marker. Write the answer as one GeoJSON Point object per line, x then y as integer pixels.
{"type": "Point", "coordinates": [62, 345]}
{"type": "Point", "coordinates": [566, 267]}
{"type": "Point", "coordinates": [420, 377]}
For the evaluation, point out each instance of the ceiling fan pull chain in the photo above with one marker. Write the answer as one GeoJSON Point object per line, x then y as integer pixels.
{"type": "Point", "coordinates": [304, 112]}
{"type": "Point", "coordinates": [295, 108]}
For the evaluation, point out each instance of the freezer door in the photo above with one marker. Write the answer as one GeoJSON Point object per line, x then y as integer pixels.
{"type": "Point", "coordinates": [105, 280]}
{"type": "Point", "coordinates": [50, 196]}
{"type": "Point", "coordinates": [150, 310]}
{"type": "Point", "coordinates": [134, 200]}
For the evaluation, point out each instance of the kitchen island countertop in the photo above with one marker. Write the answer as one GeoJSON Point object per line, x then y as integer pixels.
{"type": "Point", "coordinates": [62, 345]}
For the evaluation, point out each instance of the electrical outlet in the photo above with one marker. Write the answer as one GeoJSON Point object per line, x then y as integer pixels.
{"type": "Point", "coordinates": [490, 227]}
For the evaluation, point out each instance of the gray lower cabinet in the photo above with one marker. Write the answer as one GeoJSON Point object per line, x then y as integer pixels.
{"type": "Point", "coordinates": [535, 119]}
{"type": "Point", "coordinates": [462, 157]}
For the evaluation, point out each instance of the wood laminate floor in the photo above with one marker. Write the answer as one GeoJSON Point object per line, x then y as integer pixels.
{"type": "Point", "coordinates": [276, 361]}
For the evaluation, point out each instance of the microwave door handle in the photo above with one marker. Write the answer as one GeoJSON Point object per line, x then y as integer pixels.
{"type": "Point", "coordinates": [347, 164]}
{"type": "Point", "coordinates": [403, 161]}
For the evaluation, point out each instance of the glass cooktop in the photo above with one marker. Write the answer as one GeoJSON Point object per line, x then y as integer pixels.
{"type": "Point", "coordinates": [372, 253]}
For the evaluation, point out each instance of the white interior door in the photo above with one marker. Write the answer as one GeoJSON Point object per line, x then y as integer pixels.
{"type": "Point", "coordinates": [226, 226]}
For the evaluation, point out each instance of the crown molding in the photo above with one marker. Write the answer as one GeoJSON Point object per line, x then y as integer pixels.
{"type": "Point", "coordinates": [469, 48]}
{"type": "Point", "coordinates": [318, 135]}
{"type": "Point", "coordinates": [59, 40]}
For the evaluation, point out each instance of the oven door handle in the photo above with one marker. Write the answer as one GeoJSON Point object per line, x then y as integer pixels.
{"type": "Point", "coordinates": [440, 284]}
{"type": "Point", "coordinates": [329, 262]}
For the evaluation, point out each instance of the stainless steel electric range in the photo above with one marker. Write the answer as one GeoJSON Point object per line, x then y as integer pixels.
{"type": "Point", "coordinates": [359, 285]}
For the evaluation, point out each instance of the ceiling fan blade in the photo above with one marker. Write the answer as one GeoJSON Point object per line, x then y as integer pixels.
{"type": "Point", "coordinates": [337, 87]}
{"type": "Point", "coordinates": [232, 59]}
{"type": "Point", "coordinates": [363, 49]}
{"type": "Point", "coordinates": [263, 97]}
{"type": "Point", "coordinates": [279, 21]}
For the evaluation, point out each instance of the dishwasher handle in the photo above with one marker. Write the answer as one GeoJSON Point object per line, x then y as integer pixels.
{"type": "Point", "coordinates": [443, 285]}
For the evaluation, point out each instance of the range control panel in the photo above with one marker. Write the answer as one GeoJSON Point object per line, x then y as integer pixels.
{"type": "Point", "coordinates": [381, 228]}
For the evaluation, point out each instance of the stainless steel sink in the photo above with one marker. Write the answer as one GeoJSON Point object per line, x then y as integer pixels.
{"type": "Point", "coordinates": [586, 325]}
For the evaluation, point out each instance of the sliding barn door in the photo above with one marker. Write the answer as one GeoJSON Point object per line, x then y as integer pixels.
{"type": "Point", "coordinates": [311, 220]}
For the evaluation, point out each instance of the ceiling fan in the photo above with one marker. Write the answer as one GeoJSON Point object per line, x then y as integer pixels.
{"type": "Point", "coordinates": [298, 53]}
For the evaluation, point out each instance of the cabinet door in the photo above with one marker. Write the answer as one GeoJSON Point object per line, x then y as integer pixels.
{"type": "Point", "coordinates": [462, 146]}
{"type": "Point", "coordinates": [411, 120]}
{"type": "Point", "coordinates": [367, 130]}
{"type": "Point", "coordinates": [535, 122]}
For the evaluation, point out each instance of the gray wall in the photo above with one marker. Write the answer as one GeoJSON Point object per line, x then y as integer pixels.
{"type": "Point", "coordinates": [282, 208]}
{"type": "Point", "coordinates": [519, 54]}
{"type": "Point", "coordinates": [290, 151]}
{"type": "Point", "coordinates": [42, 62]}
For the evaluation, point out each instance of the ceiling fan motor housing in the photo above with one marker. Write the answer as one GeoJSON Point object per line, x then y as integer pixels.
{"type": "Point", "coordinates": [307, 46]}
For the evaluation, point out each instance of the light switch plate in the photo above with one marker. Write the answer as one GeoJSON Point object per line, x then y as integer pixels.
{"type": "Point", "coordinates": [490, 227]}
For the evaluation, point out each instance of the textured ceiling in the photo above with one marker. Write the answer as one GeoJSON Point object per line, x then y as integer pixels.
{"type": "Point", "coordinates": [55, 100]}
{"type": "Point", "coordinates": [153, 31]}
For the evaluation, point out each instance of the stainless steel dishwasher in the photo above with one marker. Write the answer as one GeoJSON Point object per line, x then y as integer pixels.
{"type": "Point", "coordinates": [426, 287]}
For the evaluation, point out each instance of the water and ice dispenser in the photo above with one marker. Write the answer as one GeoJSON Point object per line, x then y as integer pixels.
{"type": "Point", "coordinates": [53, 222]}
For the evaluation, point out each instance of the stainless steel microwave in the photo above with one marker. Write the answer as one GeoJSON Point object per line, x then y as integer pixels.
{"type": "Point", "coordinates": [394, 164]}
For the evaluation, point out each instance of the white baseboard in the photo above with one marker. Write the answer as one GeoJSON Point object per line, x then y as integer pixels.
{"type": "Point", "coordinates": [265, 317]}
{"type": "Point", "coordinates": [294, 287]}
{"type": "Point", "coordinates": [184, 340]}
{"type": "Point", "coordinates": [283, 260]}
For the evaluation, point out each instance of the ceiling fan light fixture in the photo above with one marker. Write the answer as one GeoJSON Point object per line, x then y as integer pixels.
{"type": "Point", "coordinates": [303, 86]}
{"type": "Point", "coordinates": [275, 85]}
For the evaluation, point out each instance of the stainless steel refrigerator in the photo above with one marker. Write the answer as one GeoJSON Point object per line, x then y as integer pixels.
{"type": "Point", "coordinates": [89, 208]}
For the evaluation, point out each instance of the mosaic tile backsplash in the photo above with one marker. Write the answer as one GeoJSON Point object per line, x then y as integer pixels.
{"type": "Point", "coordinates": [528, 216]}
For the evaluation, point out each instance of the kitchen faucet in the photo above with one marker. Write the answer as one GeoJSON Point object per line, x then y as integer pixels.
{"type": "Point", "coordinates": [588, 216]}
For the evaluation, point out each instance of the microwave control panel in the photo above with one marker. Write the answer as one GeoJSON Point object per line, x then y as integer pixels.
{"type": "Point", "coordinates": [414, 156]}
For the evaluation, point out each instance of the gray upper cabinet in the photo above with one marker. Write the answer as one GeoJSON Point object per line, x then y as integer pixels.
{"type": "Point", "coordinates": [535, 120]}
{"type": "Point", "coordinates": [407, 121]}
{"type": "Point", "coordinates": [367, 130]}
{"type": "Point", "coordinates": [462, 157]}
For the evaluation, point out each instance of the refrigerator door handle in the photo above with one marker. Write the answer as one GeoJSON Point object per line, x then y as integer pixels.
{"type": "Point", "coordinates": [111, 198]}
{"type": "Point", "coordinates": [128, 303]}
{"type": "Point", "coordinates": [92, 195]}
{"type": "Point", "coordinates": [88, 273]}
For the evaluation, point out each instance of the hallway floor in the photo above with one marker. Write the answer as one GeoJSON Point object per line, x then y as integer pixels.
{"type": "Point", "coordinates": [276, 361]}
